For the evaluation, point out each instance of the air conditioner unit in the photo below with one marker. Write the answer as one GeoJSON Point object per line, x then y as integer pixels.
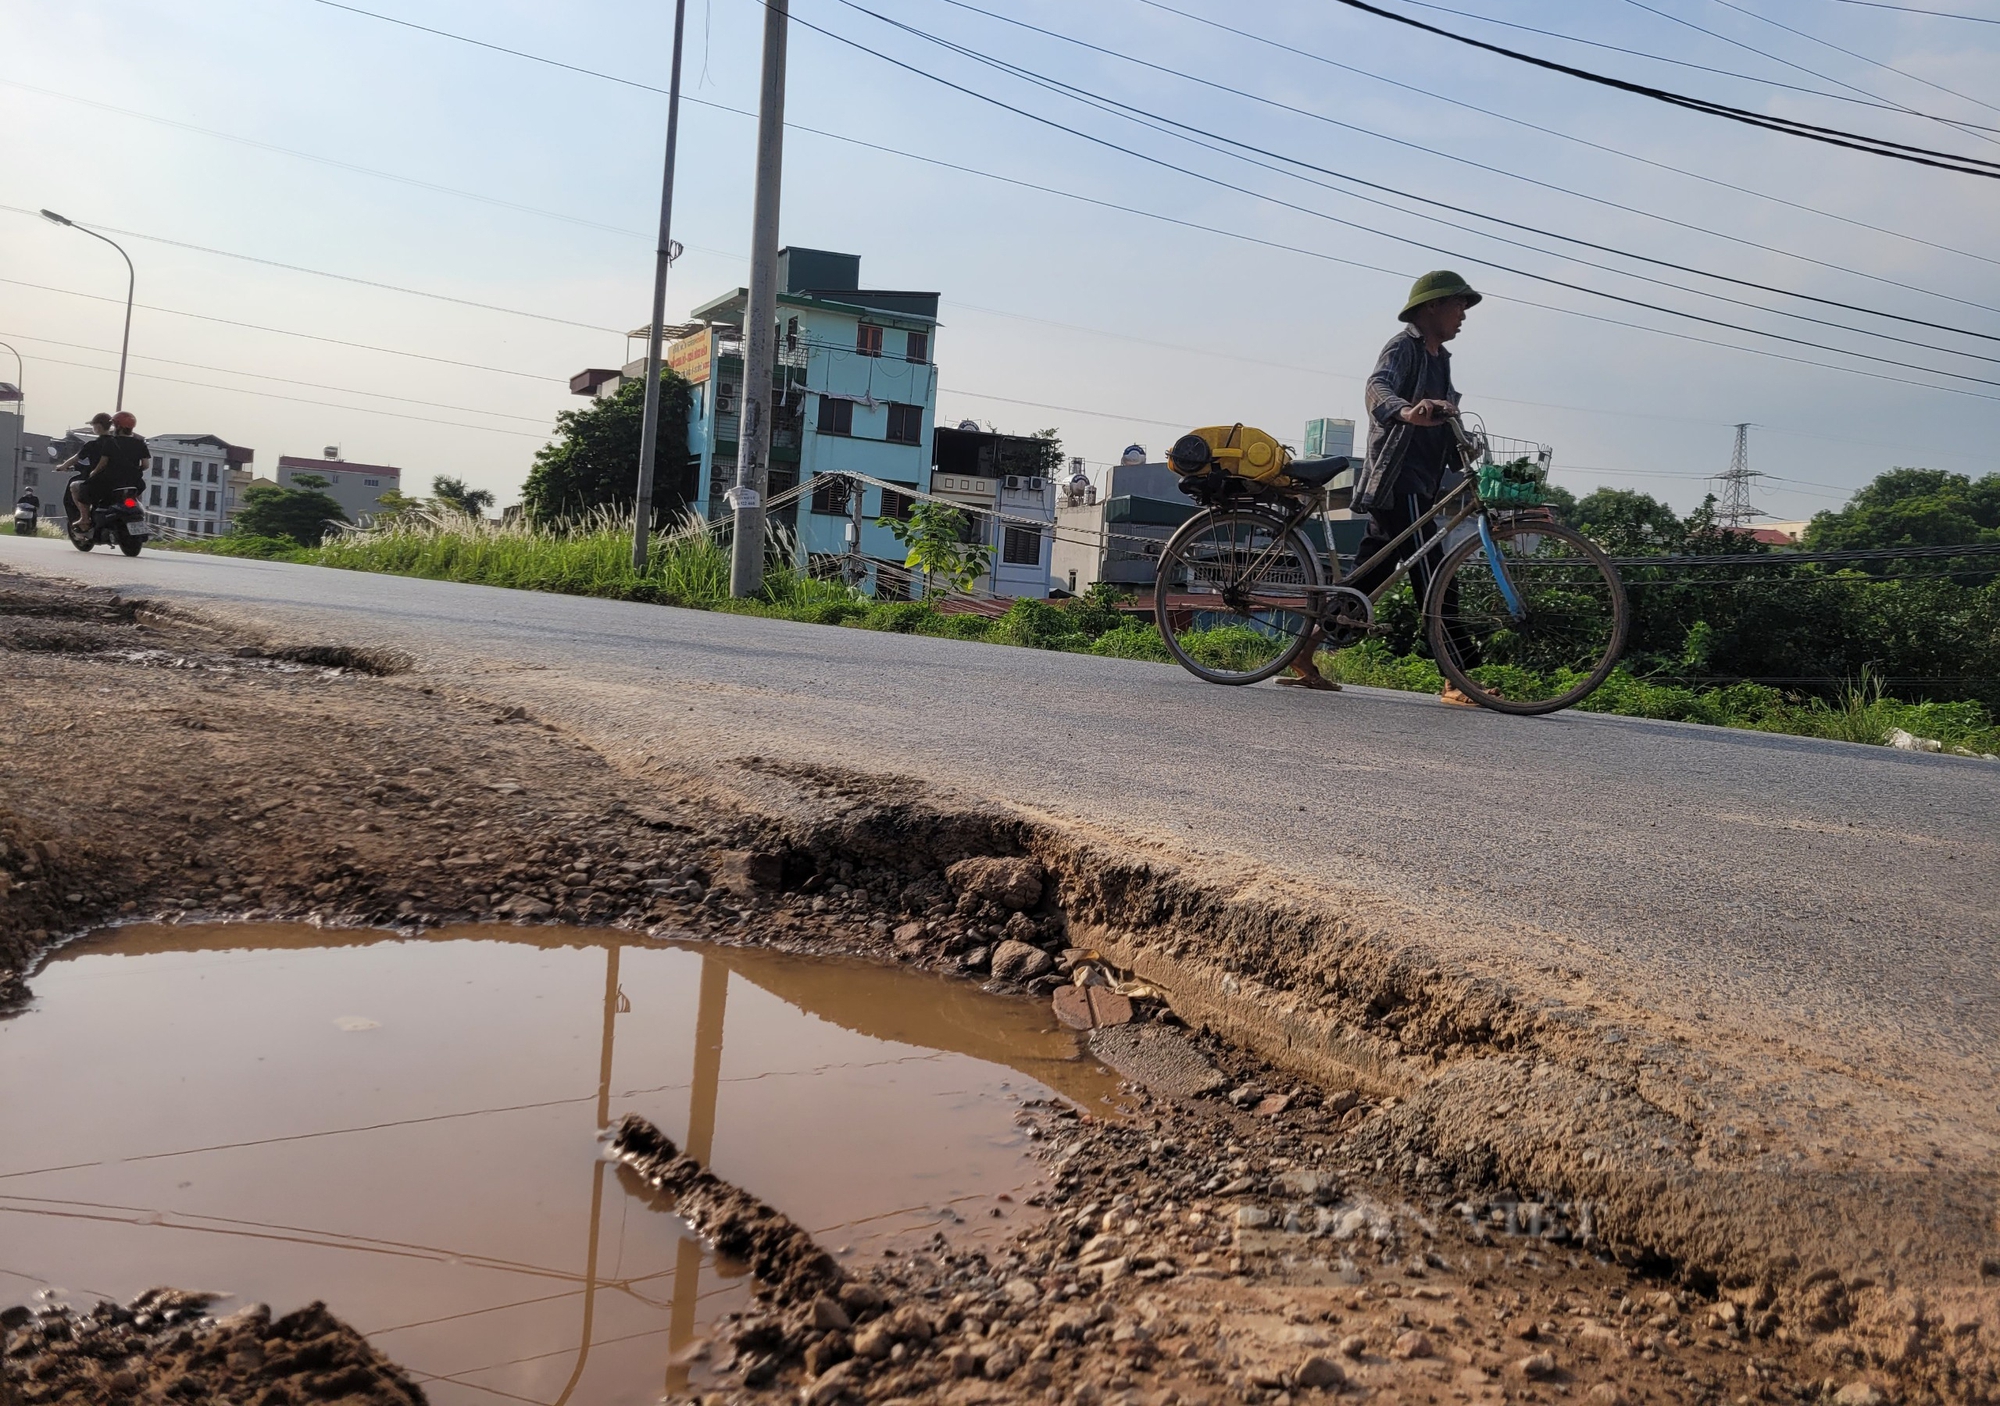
{"type": "Point", "coordinates": [1013, 481]}
{"type": "Point", "coordinates": [1035, 485]}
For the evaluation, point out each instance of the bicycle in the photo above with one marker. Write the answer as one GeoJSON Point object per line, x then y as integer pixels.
{"type": "Point", "coordinates": [1521, 613]}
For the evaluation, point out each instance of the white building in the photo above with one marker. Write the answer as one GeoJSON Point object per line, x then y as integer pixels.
{"type": "Point", "coordinates": [1013, 513]}
{"type": "Point", "coordinates": [195, 486]}
{"type": "Point", "coordinates": [358, 488]}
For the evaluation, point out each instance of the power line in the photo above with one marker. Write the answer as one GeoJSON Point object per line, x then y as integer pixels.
{"type": "Point", "coordinates": [1571, 137]}
{"type": "Point", "coordinates": [338, 277]}
{"type": "Point", "coordinates": [298, 400]}
{"type": "Point", "coordinates": [282, 380]}
{"type": "Point", "coordinates": [1886, 67]}
{"type": "Point", "coordinates": [1864, 101]}
{"type": "Point", "coordinates": [1969, 128]}
{"type": "Point", "coordinates": [1321, 214]}
{"type": "Point", "coordinates": [1914, 10]}
{"type": "Point", "coordinates": [1127, 109]}
{"type": "Point", "coordinates": [1209, 229]}
{"type": "Point", "coordinates": [1831, 136]}
{"type": "Point", "coordinates": [287, 332]}
{"type": "Point", "coordinates": [1479, 165]}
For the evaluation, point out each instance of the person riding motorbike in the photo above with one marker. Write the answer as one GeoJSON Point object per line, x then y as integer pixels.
{"type": "Point", "coordinates": [114, 464]}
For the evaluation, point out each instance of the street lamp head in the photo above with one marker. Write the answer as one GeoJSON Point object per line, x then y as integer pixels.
{"type": "Point", "coordinates": [58, 219]}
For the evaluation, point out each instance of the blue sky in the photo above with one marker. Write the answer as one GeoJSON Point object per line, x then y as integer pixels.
{"type": "Point", "coordinates": [1100, 319]}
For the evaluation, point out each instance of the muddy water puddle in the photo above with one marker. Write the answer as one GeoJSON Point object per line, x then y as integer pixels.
{"type": "Point", "coordinates": [407, 1129]}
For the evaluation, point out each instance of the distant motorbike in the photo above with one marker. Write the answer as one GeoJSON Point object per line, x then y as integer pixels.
{"type": "Point", "coordinates": [121, 524]}
{"type": "Point", "coordinates": [27, 513]}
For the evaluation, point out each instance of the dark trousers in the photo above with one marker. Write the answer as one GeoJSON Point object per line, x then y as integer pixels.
{"type": "Point", "coordinates": [1389, 519]}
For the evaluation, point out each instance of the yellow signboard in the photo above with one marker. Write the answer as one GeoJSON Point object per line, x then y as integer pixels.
{"type": "Point", "coordinates": [689, 358]}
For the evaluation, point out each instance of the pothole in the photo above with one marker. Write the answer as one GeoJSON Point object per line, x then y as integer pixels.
{"type": "Point", "coordinates": [407, 1129]}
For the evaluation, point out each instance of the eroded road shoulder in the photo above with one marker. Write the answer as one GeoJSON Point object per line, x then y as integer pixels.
{"type": "Point", "coordinates": [1481, 1195]}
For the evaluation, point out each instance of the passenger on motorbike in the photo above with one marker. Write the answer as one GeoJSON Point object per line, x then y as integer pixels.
{"type": "Point", "coordinates": [114, 464]}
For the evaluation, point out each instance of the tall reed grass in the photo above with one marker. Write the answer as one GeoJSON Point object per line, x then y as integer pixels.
{"type": "Point", "coordinates": [685, 565]}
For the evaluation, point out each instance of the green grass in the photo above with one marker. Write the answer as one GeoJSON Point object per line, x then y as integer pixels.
{"type": "Point", "coordinates": [689, 567]}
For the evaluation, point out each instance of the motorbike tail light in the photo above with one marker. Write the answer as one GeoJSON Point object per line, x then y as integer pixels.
{"type": "Point", "coordinates": [131, 502]}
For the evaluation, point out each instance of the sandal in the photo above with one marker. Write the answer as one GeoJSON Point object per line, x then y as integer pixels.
{"type": "Point", "coordinates": [1314, 680]}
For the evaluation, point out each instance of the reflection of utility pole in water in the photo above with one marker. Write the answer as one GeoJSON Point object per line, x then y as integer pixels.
{"type": "Point", "coordinates": [612, 1003]}
{"type": "Point", "coordinates": [700, 1144]}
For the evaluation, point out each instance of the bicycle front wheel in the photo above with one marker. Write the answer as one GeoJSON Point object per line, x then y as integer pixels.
{"type": "Point", "coordinates": [1235, 599]}
{"type": "Point", "coordinates": [1530, 620]}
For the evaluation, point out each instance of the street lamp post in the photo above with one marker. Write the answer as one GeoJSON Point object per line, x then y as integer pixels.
{"type": "Point", "coordinates": [131, 282]}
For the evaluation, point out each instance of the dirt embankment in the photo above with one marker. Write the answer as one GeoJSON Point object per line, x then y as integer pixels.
{"type": "Point", "coordinates": [1568, 1166]}
{"type": "Point", "coordinates": [164, 1347]}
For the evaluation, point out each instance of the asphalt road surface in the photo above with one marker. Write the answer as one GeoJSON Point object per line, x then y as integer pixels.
{"type": "Point", "coordinates": [1841, 893]}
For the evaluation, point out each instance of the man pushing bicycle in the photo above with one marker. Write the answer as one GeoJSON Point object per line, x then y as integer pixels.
{"type": "Point", "coordinates": [1413, 456]}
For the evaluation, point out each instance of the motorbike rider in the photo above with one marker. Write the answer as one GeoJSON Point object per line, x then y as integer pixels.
{"type": "Point", "coordinates": [114, 463]}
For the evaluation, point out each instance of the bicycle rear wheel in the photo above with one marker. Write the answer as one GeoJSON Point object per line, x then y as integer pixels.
{"type": "Point", "coordinates": [1233, 598]}
{"type": "Point", "coordinates": [1547, 648]}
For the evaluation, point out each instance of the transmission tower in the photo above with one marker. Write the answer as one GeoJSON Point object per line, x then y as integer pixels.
{"type": "Point", "coordinates": [1734, 508]}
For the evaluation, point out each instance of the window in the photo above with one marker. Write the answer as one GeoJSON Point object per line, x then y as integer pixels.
{"type": "Point", "coordinates": [208, 528]}
{"type": "Point", "coordinates": [835, 416]}
{"type": "Point", "coordinates": [831, 496]}
{"type": "Point", "coordinates": [155, 499]}
{"type": "Point", "coordinates": [159, 469]}
{"type": "Point", "coordinates": [212, 468]}
{"type": "Point", "coordinates": [868, 339]}
{"type": "Point", "coordinates": [897, 505]}
{"type": "Point", "coordinates": [173, 497]}
{"type": "Point", "coordinates": [919, 347]}
{"type": "Point", "coordinates": [1022, 547]}
{"type": "Point", "coordinates": [173, 468]}
{"type": "Point", "coordinates": [906, 423]}
{"type": "Point", "coordinates": [211, 500]}
{"type": "Point", "coordinates": [371, 482]}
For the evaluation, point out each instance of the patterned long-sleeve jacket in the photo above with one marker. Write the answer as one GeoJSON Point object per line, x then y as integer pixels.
{"type": "Point", "coordinates": [1403, 375]}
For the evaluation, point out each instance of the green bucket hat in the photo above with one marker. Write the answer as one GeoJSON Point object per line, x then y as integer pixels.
{"type": "Point", "coordinates": [1442, 283]}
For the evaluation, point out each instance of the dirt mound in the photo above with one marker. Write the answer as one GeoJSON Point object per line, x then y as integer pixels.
{"type": "Point", "coordinates": [162, 1347]}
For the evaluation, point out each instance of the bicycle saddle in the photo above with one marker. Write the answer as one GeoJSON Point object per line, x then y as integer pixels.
{"type": "Point", "coordinates": [1316, 473]}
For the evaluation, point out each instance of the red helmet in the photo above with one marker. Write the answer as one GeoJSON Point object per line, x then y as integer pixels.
{"type": "Point", "coordinates": [124, 420]}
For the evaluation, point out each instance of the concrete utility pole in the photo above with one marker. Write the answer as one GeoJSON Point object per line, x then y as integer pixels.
{"type": "Point", "coordinates": [131, 283]}
{"type": "Point", "coordinates": [760, 316]}
{"type": "Point", "coordinates": [856, 573]}
{"type": "Point", "coordinates": [649, 435]}
{"type": "Point", "coordinates": [649, 427]}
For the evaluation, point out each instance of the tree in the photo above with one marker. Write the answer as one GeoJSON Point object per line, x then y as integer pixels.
{"type": "Point", "coordinates": [302, 512]}
{"type": "Point", "coordinates": [393, 503]}
{"type": "Point", "coordinates": [1628, 523]}
{"type": "Point", "coordinates": [1913, 508]}
{"type": "Point", "coordinates": [452, 494]}
{"type": "Point", "coordinates": [593, 462]}
{"type": "Point", "coordinates": [1051, 449]}
{"type": "Point", "coordinates": [935, 536]}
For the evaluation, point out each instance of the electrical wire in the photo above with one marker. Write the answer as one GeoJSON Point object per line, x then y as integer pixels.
{"type": "Point", "coordinates": [1190, 224]}
{"type": "Point", "coordinates": [1459, 209]}
{"type": "Point", "coordinates": [338, 277]}
{"type": "Point", "coordinates": [307, 337]}
{"type": "Point", "coordinates": [298, 400]}
{"type": "Point", "coordinates": [1864, 101]}
{"type": "Point", "coordinates": [1914, 10]}
{"type": "Point", "coordinates": [1970, 129]}
{"type": "Point", "coordinates": [1571, 137]}
{"type": "Point", "coordinates": [1886, 67]}
{"type": "Point", "coordinates": [1831, 136]}
{"type": "Point", "coordinates": [1323, 215]}
{"type": "Point", "coordinates": [285, 381]}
